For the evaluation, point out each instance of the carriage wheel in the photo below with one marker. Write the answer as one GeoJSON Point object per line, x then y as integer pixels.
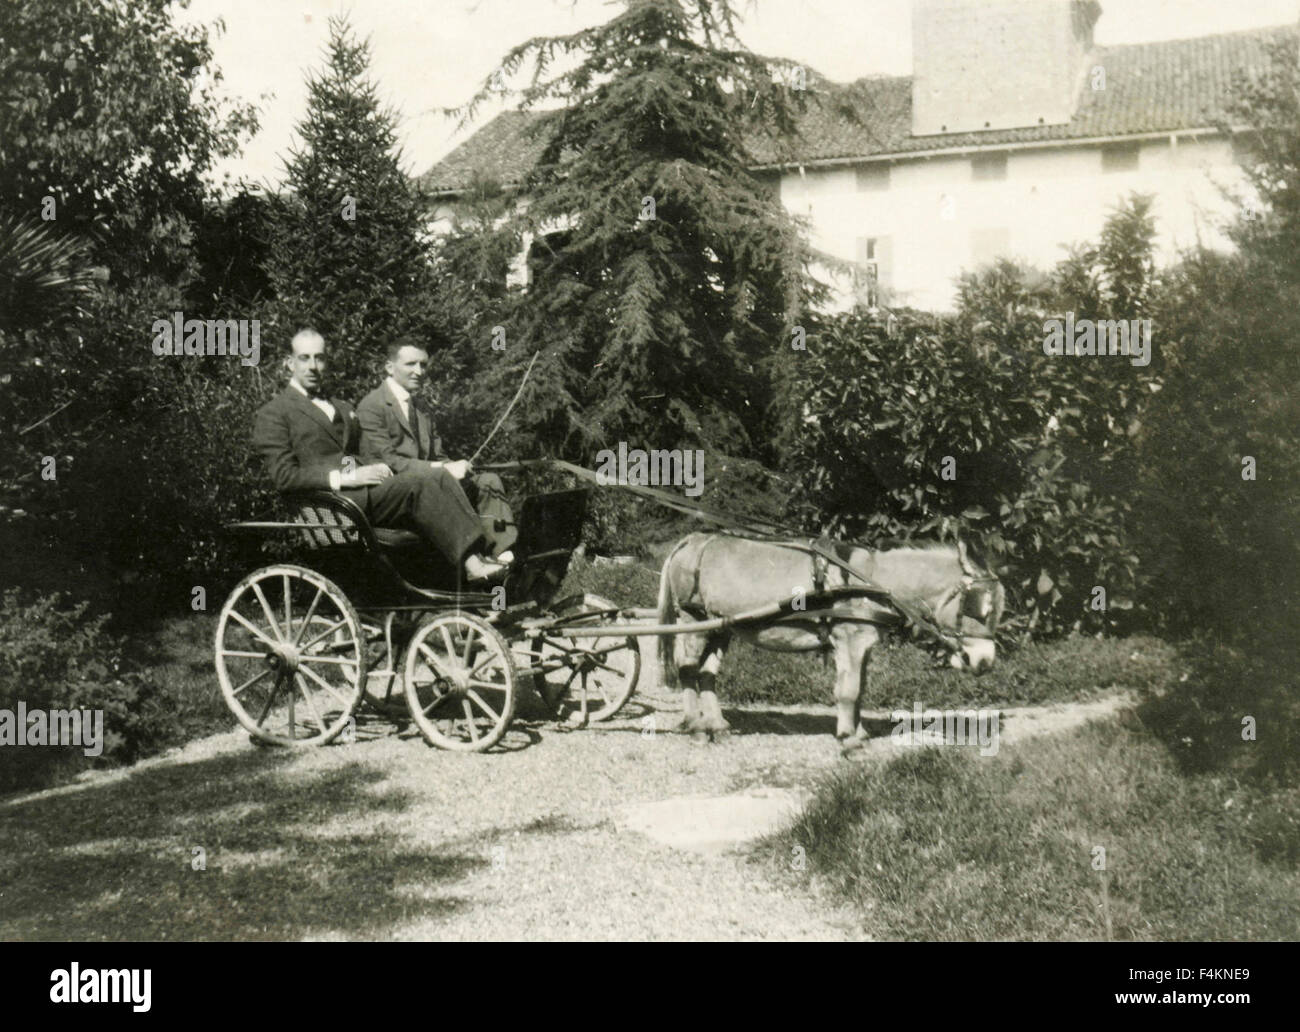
{"type": "Point", "coordinates": [460, 682]}
{"type": "Point", "coordinates": [607, 668]}
{"type": "Point", "coordinates": [290, 656]}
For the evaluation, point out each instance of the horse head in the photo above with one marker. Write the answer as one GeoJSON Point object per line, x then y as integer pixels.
{"type": "Point", "coordinates": [965, 599]}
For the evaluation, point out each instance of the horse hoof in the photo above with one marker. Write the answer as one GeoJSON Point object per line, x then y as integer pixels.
{"type": "Point", "coordinates": [851, 745]}
{"type": "Point", "coordinates": [719, 734]}
{"type": "Point", "coordinates": [684, 726]}
{"type": "Point", "coordinates": [700, 737]}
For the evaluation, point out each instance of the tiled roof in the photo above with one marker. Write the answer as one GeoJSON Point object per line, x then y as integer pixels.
{"type": "Point", "coordinates": [1150, 87]}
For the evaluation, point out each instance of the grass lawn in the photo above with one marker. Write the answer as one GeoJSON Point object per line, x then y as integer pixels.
{"type": "Point", "coordinates": [941, 843]}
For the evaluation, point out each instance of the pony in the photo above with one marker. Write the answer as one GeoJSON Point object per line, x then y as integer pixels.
{"type": "Point", "coordinates": [707, 576]}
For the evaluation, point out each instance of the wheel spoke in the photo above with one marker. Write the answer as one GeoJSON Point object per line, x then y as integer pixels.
{"type": "Point", "coordinates": [433, 658]}
{"type": "Point", "coordinates": [266, 608]}
{"type": "Point", "coordinates": [328, 630]}
{"type": "Point", "coordinates": [492, 714]}
{"type": "Point", "coordinates": [251, 681]}
{"type": "Point", "coordinates": [239, 617]}
{"type": "Point", "coordinates": [243, 655]}
{"type": "Point", "coordinates": [302, 686]}
{"type": "Point", "coordinates": [311, 611]}
{"type": "Point", "coordinates": [275, 690]}
{"type": "Point", "coordinates": [446, 640]}
{"type": "Point", "coordinates": [437, 702]}
{"type": "Point", "coordinates": [326, 685]}
{"type": "Point", "coordinates": [469, 719]}
{"type": "Point", "coordinates": [469, 639]}
{"type": "Point", "coordinates": [492, 658]}
{"type": "Point", "coordinates": [288, 608]}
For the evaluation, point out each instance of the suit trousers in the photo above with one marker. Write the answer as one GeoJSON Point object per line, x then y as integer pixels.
{"type": "Point", "coordinates": [488, 496]}
{"type": "Point", "coordinates": [430, 503]}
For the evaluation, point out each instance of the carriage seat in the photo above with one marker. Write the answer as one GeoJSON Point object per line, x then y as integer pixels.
{"type": "Point", "coordinates": [391, 537]}
{"type": "Point", "coordinates": [330, 520]}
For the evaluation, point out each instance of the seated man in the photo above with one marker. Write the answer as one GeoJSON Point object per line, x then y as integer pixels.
{"type": "Point", "coordinates": [308, 441]}
{"type": "Point", "coordinates": [398, 431]}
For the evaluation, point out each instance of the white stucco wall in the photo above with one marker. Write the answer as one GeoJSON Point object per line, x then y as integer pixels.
{"type": "Point", "coordinates": [934, 216]}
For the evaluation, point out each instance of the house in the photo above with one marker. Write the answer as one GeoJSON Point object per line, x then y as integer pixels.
{"type": "Point", "coordinates": [1014, 136]}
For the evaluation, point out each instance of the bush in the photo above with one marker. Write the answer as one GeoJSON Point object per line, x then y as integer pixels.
{"type": "Point", "coordinates": [918, 433]}
{"type": "Point", "coordinates": [54, 656]}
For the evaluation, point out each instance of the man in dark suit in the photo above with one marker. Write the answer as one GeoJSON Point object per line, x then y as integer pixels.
{"type": "Point", "coordinates": [397, 430]}
{"type": "Point", "coordinates": [310, 441]}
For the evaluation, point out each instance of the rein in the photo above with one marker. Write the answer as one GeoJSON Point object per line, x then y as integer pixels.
{"type": "Point", "coordinates": [919, 613]}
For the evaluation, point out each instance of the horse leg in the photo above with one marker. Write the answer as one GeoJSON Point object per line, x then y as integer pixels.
{"type": "Point", "coordinates": [713, 722]}
{"type": "Point", "coordinates": [687, 649]}
{"type": "Point", "coordinates": [852, 644]}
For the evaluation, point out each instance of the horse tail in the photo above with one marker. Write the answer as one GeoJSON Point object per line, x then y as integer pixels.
{"type": "Point", "coordinates": [666, 613]}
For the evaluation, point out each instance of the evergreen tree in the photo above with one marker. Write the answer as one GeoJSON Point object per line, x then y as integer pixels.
{"type": "Point", "coordinates": [666, 278]}
{"type": "Point", "coordinates": [348, 253]}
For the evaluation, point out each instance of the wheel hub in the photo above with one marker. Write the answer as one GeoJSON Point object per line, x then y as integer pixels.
{"type": "Point", "coordinates": [284, 656]}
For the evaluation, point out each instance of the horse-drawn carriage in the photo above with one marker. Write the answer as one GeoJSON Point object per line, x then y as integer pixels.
{"type": "Point", "coordinates": [367, 617]}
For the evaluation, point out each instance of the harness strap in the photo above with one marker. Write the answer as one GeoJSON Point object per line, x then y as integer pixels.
{"type": "Point", "coordinates": [819, 568]}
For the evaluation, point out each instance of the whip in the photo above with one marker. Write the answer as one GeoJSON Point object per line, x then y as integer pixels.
{"type": "Point", "coordinates": [508, 408]}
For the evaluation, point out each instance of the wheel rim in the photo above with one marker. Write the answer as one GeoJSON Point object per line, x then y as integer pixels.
{"type": "Point", "coordinates": [608, 667]}
{"type": "Point", "coordinates": [290, 656]}
{"type": "Point", "coordinates": [460, 683]}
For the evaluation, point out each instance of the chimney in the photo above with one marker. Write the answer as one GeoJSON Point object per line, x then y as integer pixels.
{"type": "Point", "coordinates": [997, 64]}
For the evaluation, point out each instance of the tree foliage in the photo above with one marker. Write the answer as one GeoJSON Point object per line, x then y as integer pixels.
{"type": "Point", "coordinates": [114, 111]}
{"type": "Point", "coordinates": [664, 275]}
{"type": "Point", "coordinates": [348, 252]}
{"type": "Point", "coordinates": [110, 121]}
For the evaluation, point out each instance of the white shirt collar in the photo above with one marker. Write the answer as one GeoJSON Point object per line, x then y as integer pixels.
{"type": "Point", "coordinates": [299, 388]}
{"type": "Point", "coordinates": [399, 392]}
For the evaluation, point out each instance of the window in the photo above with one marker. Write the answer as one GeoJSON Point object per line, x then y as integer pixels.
{"type": "Point", "coordinates": [874, 269]}
{"type": "Point", "coordinates": [541, 252]}
{"type": "Point", "coordinates": [988, 166]}
{"type": "Point", "coordinates": [873, 177]}
{"type": "Point", "coordinates": [987, 244]}
{"type": "Point", "coordinates": [1119, 157]}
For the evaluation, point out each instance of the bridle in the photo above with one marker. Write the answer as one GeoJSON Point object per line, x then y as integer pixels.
{"type": "Point", "coordinates": [972, 603]}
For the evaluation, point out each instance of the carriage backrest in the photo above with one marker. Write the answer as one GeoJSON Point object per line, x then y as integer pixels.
{"type": "Point", "coordinates": [327, 526]}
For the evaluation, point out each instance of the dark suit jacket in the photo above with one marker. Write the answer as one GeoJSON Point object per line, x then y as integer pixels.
{"type": "Point", "coordinates": [386, 436]}
{"type": "Point", "coordinates": [299, 445]}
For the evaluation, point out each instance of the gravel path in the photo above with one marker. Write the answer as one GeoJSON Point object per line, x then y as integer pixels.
{"type": "Point", "coordinates": [387, 838]}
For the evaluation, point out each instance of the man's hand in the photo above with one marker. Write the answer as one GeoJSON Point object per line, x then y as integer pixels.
{"type": "Point", "coordinates": [368, 476]}
{"type": "Point", "coordinates": [458, 469]}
